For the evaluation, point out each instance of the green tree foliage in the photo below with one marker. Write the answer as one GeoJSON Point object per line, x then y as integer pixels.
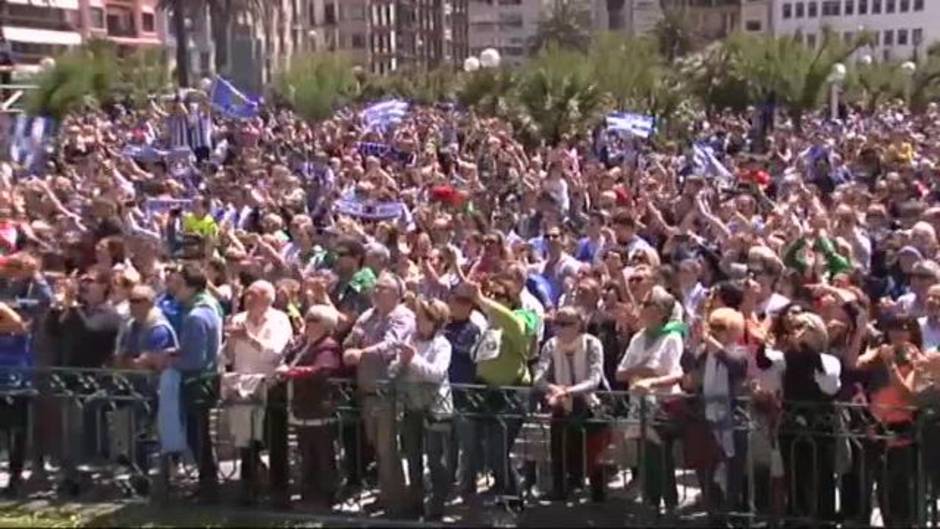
{"type": "Point", "coordinates": [557, 95]}
{"type": "Point", "coordinates": [566, 27]}
{"type": "Point", "coordinates": [673, 34]}
{"type": "Point", "coordinates": [796, 74]}
{"type": "Point", "coordinates": [89, 75]}
{"type": "Point", "coordinates": [627, 68]}
{"type": "Point", "coordinates": [871, 84]}
{"type": "Point", "coordinates": [318, 84]}
{"type": "Point", "coordinates": [925, 84]}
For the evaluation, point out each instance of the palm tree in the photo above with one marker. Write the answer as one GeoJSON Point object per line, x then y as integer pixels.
{"type": "Point", "coordinates": [871, 83]}
{"type": "Point", "coordinates": [565, 27]}
{"type": "Point", "coordinates": [795, 74]}
{"type": "Point", "coordinates": [674, 33]}
{"type": "Point", "coordinates": [925, 84]}
{"type": "Point", "coordinates": [318, 84]}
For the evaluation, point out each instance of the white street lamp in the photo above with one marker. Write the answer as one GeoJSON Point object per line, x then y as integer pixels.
{"type": "Point", "coordinates": [46, 64]}
{"type": "Point", "coordinates": [836, 78]}
{"type": "Point", "coordinates": [866, 59]}
{"type": "Point", "coordinates": [908, 68]}
{"type": "Point", "coordinates": [490, 58]}
{"type": "Point", "coordinates": [471, 64]}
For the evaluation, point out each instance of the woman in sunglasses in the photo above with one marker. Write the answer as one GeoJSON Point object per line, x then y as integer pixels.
{"type": "Point", "coordinates": [570, 368]}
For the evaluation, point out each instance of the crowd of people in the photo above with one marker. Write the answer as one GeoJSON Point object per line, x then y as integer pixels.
{"type": "Point", "coordinates": [435, 263]}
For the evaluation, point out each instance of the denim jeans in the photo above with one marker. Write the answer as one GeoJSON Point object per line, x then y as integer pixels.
{"type": "Point", "coordinates": [465, 453]}
{"type": "Point", "coordinates": [421, 437]}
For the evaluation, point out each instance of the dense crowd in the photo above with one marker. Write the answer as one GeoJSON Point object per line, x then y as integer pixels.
{"type": "Point", "coordinates": [261, 259]}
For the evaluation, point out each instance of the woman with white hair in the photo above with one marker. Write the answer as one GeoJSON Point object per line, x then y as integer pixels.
{"type": "Point", "coordinates": [255, 342]}
{"type": "Point", "coordinates": [307, 368]}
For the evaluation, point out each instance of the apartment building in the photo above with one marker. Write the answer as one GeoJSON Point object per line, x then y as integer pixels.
{"type": "Point", "coordinates": [709, 19]}
{"type": "Point", "coordinates": [386, 35]}
{"type": "Point", "coordinates": [903, 29]}
{"type": "Point", "coordinates": [506, 25]}
{"type": "Point", "coordinates": [34, 30]}
{"type": "Point", "coordinates": [131, 24]}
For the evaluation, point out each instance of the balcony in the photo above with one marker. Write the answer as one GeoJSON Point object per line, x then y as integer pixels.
{"type": "Point", "coordinates": [37, 23]}
{"type": "Point", "coordinates": [124, 32]}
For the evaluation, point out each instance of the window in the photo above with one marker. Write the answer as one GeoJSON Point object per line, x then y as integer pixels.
{"type": "Point", "coordinates": [753, 25]}
{"type": "Point", "coordinates": [902, 37]}
{"type": "Point", "coordinates": [876, 38]}
{"type": "Point", "coordinates": [889, 37]}
{"type": "Point", "coordinates": [148, 22]}
{"type": "Point", "coordinates": [876, 7]}
{"type": "Point", "coordinates": [918, 5]}
{"type": "Point", "coordinates": [812, 10]}
{"type": "Point", "coordinates": [120, 21]}
{"type": "Point", "coordinates": [850, 7]}
{"type": "Point", "coordinates": [862, 7]}
{"type": "Point", "coordinates": [205, 60]}
{"type": "Point", "coordinates": [890, 6]}
{"type": "Point", "coordinates": [811, 40]}
{"type": "Point", "coordinates": [787, 10]}
{"type": "Point", "coordinates": [905, 6]}
{"type": "Point", "coordinates": [800, 10]}
{"type": "Point", "coordinates": [96, 17]}
{"type": "Point", "coordinates": [358, 41]}
{"type": "Point", "coordinates": [329, 14]}
{"type": "Point", "coordinates": [832, 8]}
{"type": "Point", "coordinates": [917, 37]}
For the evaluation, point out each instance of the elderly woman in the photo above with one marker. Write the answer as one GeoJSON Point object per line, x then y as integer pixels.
{"type": "Point", "coordinates": [570, 369]}
{"type": "Point", "coordinates": [651, 363]}
{"type": "Point", "coordinates": [307, 368]}
{"type": "Point", "coordinates": [422, 369]}
{"type": "Point", "coordinates": [256, 342]}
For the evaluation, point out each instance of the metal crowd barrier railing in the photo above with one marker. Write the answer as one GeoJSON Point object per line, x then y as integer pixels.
{"type": "Point", "coordinates": [744, 460]}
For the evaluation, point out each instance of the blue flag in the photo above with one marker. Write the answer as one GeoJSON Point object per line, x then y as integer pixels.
{"type": "Point", "coordinates": [229, 101]}
{"type": "Point", "coordinates": [385, 115]}
{"type": "Point", "coordinates": [705, 163]}
{"type": "Point", "coordinates": [29, 139]}
{"type": "Point", "coordinates": [631, 124]}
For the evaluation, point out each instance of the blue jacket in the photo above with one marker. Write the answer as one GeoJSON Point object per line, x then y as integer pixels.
{"type": "Point", "coordinates": [200, 340]}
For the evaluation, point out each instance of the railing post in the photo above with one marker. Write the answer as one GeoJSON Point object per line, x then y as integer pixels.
{"type": "Point", "coordinates": [641, 449]}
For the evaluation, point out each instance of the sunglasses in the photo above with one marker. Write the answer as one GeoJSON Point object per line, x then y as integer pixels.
{"type": "Point", "coordinates": [137, 301]}
{"type": "Point", "coordinates": [553, 236]}
{"type": "Point", "coordinates": [636, 279]}
{"type": "Point", "coordinates": [717, 327]}
{"type": "Point", "coordinates": [565, 323]}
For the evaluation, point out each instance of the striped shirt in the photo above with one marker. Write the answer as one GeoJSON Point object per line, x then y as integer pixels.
{"type": "Point", "coordinates": [178, 128]}
{"type": "Point", "coordinates": [201, 129]}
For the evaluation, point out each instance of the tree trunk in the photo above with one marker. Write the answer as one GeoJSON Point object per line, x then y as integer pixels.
{"type": "Point", "coordinates": [182, 41]}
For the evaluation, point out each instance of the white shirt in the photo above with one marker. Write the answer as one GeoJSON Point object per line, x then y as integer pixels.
{"type": "Point", "coordinates": [661, 355]}
{"type": "Point", "coordinates": [274, 332]}
{"type": "Point", "coordinates": [931, 334]}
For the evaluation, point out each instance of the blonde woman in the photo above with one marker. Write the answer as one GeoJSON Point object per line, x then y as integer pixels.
{"type": "Point", "coordinates": [421, 368]}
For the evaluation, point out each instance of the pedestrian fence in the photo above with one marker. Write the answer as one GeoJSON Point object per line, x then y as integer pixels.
{"type": "Point", "coordinates": [674, 458]}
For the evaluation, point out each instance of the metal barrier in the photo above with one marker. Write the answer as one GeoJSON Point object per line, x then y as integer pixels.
{"type": "Point", "coordinates": [741, 462]}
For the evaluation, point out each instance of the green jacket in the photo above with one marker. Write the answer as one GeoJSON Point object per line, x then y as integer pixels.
{"type": "Point", "coordinates": [510, 368]}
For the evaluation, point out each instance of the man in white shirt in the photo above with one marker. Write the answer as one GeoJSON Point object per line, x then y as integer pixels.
{"type": "Point", "coordinates": [930, 324]}
{"type": "Point", "coordinates": [256, 340]}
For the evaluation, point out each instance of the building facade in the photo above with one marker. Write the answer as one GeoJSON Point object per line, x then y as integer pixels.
{"type": "Point", "coordinates": [506, 25]}
{"type": "Point", "coordinates": [131, 24]}
{"type": "Point", "coordinates": [388, 35]}
{"type": "Point", "coordinates": [708, 19]}
{"type": "Point", "coordinates": [36, 29]}
{"type": "Point", "coordinates": [903, 29]}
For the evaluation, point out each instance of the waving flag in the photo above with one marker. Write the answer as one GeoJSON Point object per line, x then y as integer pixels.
{"type": "Point", "coordinates": [384, 115]}
{"type": "Point", "coordinates": [229, 101]}
{"type": "Point", "coordinates": [29, 139]}
{"type": "Point", "coordinates": [705, 163]}
{"type": "Point", "coordinates": [632, 124]}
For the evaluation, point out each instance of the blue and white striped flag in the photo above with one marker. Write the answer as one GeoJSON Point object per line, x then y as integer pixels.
{"type": "Point", "coordinates": [630, 123]}
{"type": "Point", "coordinates": [229, 101]}
{"type": "Point", "coordinates": [705, 163]}
{"type": "Point", "coordinates": [385, 115]}
{"type": "Point", "coordinates": [29, 139]}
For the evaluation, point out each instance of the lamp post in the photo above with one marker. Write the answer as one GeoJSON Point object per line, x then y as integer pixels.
{"type": "Point", "coordinates": [836, 78]}
{"type": "Point", "coordinates": [489, 58]}
{"type": "Point", "coordinates": [908, 68]}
